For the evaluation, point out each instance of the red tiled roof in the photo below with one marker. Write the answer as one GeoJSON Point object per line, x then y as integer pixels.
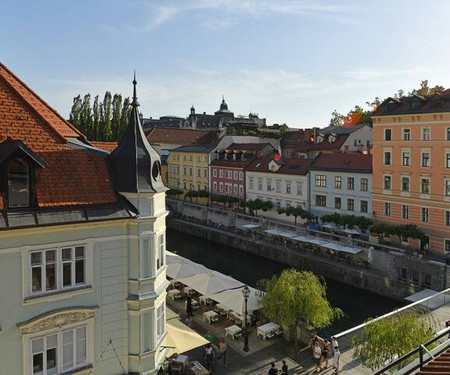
{"type": "Point", "coordinates": [343, 161]}
{"type": "Point", "coordinates": [72, 177]}
{"type": "Point", "coordinates": [287, 165]}
{"type": "Point", "coordinates": [181, 136]}
{"type": "Point", "coordinates": [106, 146]}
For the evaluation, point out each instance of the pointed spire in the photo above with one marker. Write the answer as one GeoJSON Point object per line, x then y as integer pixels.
{"type": "Point", "coordinates": [135, 102]}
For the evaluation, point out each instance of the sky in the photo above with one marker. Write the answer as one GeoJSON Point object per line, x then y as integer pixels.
{"type": "Point", "coordinates": [290, 61]}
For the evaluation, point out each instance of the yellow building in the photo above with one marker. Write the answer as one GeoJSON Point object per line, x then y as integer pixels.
{"type": "Point", "coordinates": [188, 167]}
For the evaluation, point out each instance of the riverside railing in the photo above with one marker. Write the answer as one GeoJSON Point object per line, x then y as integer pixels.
{"type": "Point", "coordinates": [432, 302]}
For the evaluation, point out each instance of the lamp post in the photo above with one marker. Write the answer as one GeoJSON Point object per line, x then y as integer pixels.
{"type": "Point", "coordinates": [246, 293]}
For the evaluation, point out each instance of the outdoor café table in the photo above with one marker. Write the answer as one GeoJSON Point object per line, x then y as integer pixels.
{"type": "Point", "coordinates": [232, 331]}
{"type": "Point", "coordinates": [187, 290]}
{"type": "Point", "coordinates": [238, 318]}
{"type": "Point", "coordinates": [195, 305]}
{"type": "Point", "coordinates": [205, 300]}
{"type": "Point", "coordinates": [267, 329]}
{"type": "Point", "coordinates": [210, 316]}
{"type": "Point", "coordinates": [174, 294]}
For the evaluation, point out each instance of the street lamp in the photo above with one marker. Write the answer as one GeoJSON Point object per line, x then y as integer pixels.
{"type": "Point", "coordinates": [246, 293]}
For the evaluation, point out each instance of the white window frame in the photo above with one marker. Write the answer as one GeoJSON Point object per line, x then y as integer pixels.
{"type": "Point", "coordinates": [422, 153]}
{"type": "Point", "coordinates": [424, 214]}
{"type": "Point", "coordinates": [59, 269]}
{"type": "Point", "coordinates": [221, 173]}
{"type": "Point", "coordinates": [426, 134]}
{"type": "Point", "coordinates": [160, 321]}
{"type": "Point", "coordinates": [366, 208]}
{"type": "Point", "coordinates": [406, 134]}
{"type": "Point", "coordinates": [288, 187]}
{"type": "Point", "coordinates": [405, 211]}
{"type": "Point", "coordinates": [387, 208]}
{"type": "Point", "coordinates": [214, 186]}
{"type": "Point", "coordinates": [160, 245]}
{"type": "Point", "coordinates": [250, 183]}
{"type": "Point", "coordinates": [364, 184]}
{"type": "Point", "coordinates": [241, 176]}
{"type": "Point", "coordinates": [59, 332]}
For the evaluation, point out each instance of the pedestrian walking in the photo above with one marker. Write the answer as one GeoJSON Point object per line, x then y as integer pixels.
{"type": "Point", "coordinates": [334, 342]}
{"type": "Point", "coordinates": [209, 357]}
{"type": "Point", "coordinates": [317, 353]}
{"type": "Point", "coordinates": [189, 306]}
{"type": "Point", "coordinates": [336, 358]}
{"type": "Point", "coordinates": [273, 370]}
{"type": "Point", "coordinates": [312, 339]}
{"type": "Point", "coordinates": [326, 352]}
{"type": "Point", "coordinates": [284, 368]}
{"type": "Point", "coordinates": [223, 351]}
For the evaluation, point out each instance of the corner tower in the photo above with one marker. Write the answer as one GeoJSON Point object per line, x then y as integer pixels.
{"type": "Point", "coordinates": [136, 174]}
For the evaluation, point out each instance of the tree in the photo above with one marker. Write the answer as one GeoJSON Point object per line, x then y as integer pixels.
{"type": "Point", "coordinates": [175, 192]}
{"type": "Point", "coordinates": [295, 297]}
{"type": "Point", "coordinates": [337, 119]}
{"type": "Point", "coordinates": [86, 116]}
{"type": "Point", "coordinates": [425, 90]}
{"type": "Point", "coordinates": [105, 123]}
{"type": "Point", "coordinates": [384, 340]}
{"type": "Point", "coordinates": [75, 112]}
{"type": "Point", "coordinates": [258, 204]}
{"type": "Point", "coordinates": [296, 212]}
{"type": "Point", "coordinates": [116, 116]}
{"type": "Point", "coordinates": [96, 120]}
{"type": "Point", "coordinates": [125, 118]}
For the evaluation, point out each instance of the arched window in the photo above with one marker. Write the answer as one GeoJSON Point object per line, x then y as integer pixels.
{"type": "Point", "coordinates": [18, 183]}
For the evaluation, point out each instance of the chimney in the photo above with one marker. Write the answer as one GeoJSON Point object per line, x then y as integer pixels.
{"type": "Point", "coordinates": [346, 147]}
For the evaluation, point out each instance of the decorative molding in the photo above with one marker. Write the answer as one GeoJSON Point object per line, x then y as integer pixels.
{"type": "Point", "coordinates": [56, 319]}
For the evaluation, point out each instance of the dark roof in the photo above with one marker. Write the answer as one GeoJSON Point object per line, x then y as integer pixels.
{"type": "Point", "coordinates": [439, 102]}
{"type": "Point", "coordinates": [247, 146]}
{"type": "Point", "coordinates": [194, 148]}
{"type": "Point", "coordinates": [230, 163]}
{"type": "Point", "coordinates": [325, 145]}
{"type": "Point", "coordinates": [135, 165]}
{"type": "Point", "coordinates": [287, 165]}
{"type": "Point", "coordinates": [340, 161]}
{"type": "Point", "coordinates": [10, 147]}
{"type": "Point", "coordinates": [182, 136]}
{"type": "Point", "coordinates": [342, 129]}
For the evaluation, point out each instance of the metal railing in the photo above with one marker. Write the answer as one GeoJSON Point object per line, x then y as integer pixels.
{"type": "Point", "coordinates": [421, 350]}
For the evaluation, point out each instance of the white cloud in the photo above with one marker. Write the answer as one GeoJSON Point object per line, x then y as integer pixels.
{"type": "Point", "coordinates": [225, 13]}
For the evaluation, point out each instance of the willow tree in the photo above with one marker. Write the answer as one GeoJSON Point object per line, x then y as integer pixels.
{"type": "Point", "coordinates": [384, 340]}
{"type": "Point", "coordinates": [295, 297]}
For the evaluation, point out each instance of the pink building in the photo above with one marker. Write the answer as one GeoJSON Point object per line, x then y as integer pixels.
{"type": "Point", "coordinates": [227, 175]}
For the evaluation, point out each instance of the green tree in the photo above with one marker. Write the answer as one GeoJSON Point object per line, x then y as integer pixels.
{"type": "Point", "coordinates": [75, 113]}
{"type": "Point", "coordinates": [295, 297]}
{"type": "Point", "coordinates": [96, 120]}
{"type": "Point", "coordinates": [258, 204]}
{"type": "Point", "coordinates": [125, 118]}
{"type": "Point", "coordinates": [86, 116]}
{"type": "Point", "coordinates": [425, 90]}
{"type": "Point", "coordinates": [116, 116]}
{"type": "Point", "coordinates": [337, 119]}
{"type": "Point", "coordinates": [105, 122]}
{"type": "Point", "coordinates": [384, 340]}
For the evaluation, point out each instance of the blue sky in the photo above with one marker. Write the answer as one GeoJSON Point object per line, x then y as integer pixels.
{"type": "Point", "coordinates": [290, 61]}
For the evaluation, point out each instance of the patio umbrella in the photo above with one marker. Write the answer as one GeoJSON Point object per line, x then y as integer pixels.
{"type": "Point", "coordinates": [184, 268]}
{"type": "Point", "coordinates": [180, 338]}
{"type": "Point", "coordinates": [234, 300]}
{"type": "Point", "coordinates": [210, 283]}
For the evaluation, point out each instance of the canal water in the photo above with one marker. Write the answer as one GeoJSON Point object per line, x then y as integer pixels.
{"type": "Point", "coordinates": [357, 304]}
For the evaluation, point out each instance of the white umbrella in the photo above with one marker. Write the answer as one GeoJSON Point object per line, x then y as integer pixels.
{"type": "Point", "coordinates": [180, 338]}
{"type": "Point", "coordinates": [234, 300]}
{"type": "Point", "coordinates": [210, 283]}
{"type": "Point", "coordinates": [184, 268]}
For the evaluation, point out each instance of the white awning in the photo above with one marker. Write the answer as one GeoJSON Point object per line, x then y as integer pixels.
{"type": "Point", "coordinates": [234, 300]}
{"type": "Point", "coordinates": [351, 231]}
{"type": "Point", "coordinates": [251, 226]}
{"type": "Point", "coordinates": [210, 283]}
{"type": "Point", "coordinates": [278, 232]}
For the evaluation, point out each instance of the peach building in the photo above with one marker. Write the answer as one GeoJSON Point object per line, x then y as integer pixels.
{"type": "Point", "coordinates": [411, 166]}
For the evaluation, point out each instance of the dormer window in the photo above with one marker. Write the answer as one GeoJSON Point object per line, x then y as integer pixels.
{"type": "Point", "coordinates": [226, 157]}
{"type": "Point", "coordinates": [234, 157]}
{"type": "Point", "coordinates": [319, 139]}
{"type": "Point", "coordinates": [331, 138]}
{"type": "Point", "coordinates": [17, 165]}
{"type": "Point", "coordinates": [18, 177]}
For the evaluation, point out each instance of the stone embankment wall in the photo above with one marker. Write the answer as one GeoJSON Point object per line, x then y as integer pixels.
{"type": "Point", "coordinates": [392, 274]}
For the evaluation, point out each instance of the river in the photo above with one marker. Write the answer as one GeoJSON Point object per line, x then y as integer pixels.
{"type": "Point", "coordinates": [357, 304]}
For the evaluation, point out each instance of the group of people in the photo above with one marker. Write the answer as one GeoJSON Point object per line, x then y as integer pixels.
{"type": "Point", "coordinates": [323, 350]}
{"type": "Point", "coordinates": [274, 371]}
{"type": "Point", "coordinates": [210, 354]}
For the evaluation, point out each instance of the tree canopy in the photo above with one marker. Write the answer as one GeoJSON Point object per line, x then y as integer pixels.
{"type": "Point", "coordinates": [384, 340]}
{"type": "Point", "coordinates": [297, 296]}
{"type": "Point", "coordinates": [258, 204]}
{"type": "Point", "coordinates": [359, 115]}
{"type": "Point", "coordinates": [103, 121]}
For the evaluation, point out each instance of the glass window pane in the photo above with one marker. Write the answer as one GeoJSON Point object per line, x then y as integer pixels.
{"type": "Point", "coordinates": [36, 280]}
{"type": "Point", "coordinates": [36, 258]}
{"type": "Point", "coordinates": [79, 271]}
{"type": "Point", "coordinates": [18, 184]}
{"type": "Point", "coordinates": [67, 274]}
{"type": "Point", "coordinates": [67, 254]}
{"type": "Point", "coordinates": [79, 252]}
{"type": "Point", "coordinates": [81, 333]}
{"type": "Point", "coordinates": [50, 276]}
{"type": "Point", "coordinates": [50, 256]}
{"type": "Point", "coordinates": [38, 363]}
{"type": "Point", "coordinates": [37, 346]}
{"type": "Point", "coordinates": [51, 361]}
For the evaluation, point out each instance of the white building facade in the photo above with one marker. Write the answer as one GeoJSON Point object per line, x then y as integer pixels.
{"type": "Point", "coordinates": [82, 246]}
{"type": "Point", "coordinates": [341, 183]}
{"type": "Point", "coordinates": [285, 183]}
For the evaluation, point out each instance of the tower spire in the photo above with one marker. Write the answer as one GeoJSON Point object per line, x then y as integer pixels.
{"type": "Point", "coordinates": [135, 102]}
